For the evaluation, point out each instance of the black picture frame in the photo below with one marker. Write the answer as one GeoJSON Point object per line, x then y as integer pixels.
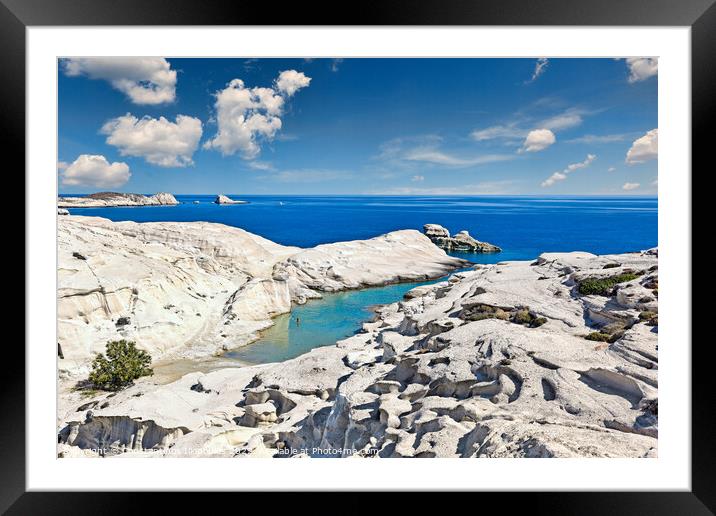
{"type": "Point", "coordinates": [700, 15]}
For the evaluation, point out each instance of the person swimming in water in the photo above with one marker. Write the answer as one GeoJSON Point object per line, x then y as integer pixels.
{"type": "Point", "coordinates": [298, 321]}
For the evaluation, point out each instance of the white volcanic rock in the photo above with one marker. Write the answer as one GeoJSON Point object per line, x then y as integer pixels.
{"type": "Point", "coordinates": [62, 211]}
{"type": "Point", "coordinates": [462, 241]}
{"type": "Point", "coordinates": [492, 383]}
{"type": "Point", "coordinates": [192, 289]}
{"type": "Point", "coordinates": [222, 199]}
{"type": "Point", "coordinates": [110, 199]}
{"type": "Point", "coordinates": [398, 256]}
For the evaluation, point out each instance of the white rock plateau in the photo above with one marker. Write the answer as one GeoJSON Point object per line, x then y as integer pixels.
{"type": "Point", "coordinates": [492, 362]}
{"type": "Point", "coordinates": [110, 199]}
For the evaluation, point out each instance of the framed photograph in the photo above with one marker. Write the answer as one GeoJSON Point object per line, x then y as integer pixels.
{"type": "Point", "coordinates": [421, 232]}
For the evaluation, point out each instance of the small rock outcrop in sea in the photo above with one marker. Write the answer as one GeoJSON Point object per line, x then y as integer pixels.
{"type": "Point", "coordinates": [222, 199]}
{"type": "Point", "coordinates": [462, 241]}
{"type": "Point", "coordinates": [111, 199]}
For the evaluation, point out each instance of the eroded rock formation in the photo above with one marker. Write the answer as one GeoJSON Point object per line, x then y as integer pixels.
{"type": "Point", "coordinates": [459, 368]}
{"type": "Point", "coordinates": [462, 241]}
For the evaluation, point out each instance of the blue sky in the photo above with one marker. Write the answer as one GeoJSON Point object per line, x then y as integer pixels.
{"type": "Point", "coordinates": [358, 126]}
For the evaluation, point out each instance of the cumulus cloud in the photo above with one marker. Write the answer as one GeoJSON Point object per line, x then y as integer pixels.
{"type": "Point", "coordinates": [562, 175]}
{"type": "Point", "coordinates": [630, 186]}
{"type": "Point", "coordinates": [159, 141]}
{"type": "Point", "coordinates": [246, 116]}
{"type": "Point", "coordinates": [641, 68]}
{"type": "Point", "coordinates": [538, 140]}
{"type": "Point", "coordinates": [644, 149]}
{"type": "Point", "coordinates": [95, 170]}
{"type": "Point", "coordinates": [145, 80]}
{"type": "Point", "coordinates": [540, 67]}
{"type": "Point", "coordinates": [417, 179]}
{"type": "Point", "coordinates": [290, 81]}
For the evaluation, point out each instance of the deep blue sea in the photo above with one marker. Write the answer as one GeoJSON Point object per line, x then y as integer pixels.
{"type": "Point", "coordinates": [523, 226]}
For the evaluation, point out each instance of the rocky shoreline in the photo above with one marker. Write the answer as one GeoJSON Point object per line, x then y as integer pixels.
{"type": "Point", "coordinates": [111, 199]}
{"type": "Point", "coordinates": [497, 361]}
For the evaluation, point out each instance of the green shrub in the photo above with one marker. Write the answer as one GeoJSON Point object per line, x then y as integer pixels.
{"type": "Point", "coordinates": [539, 321]}
{"type": "Point", "coordinates": [122, 364]}
{"type": "Point", "coordinates": [603, 286]}
{"type": "Point", "coordinates": [522, 317]}
{"type": "Point", "coordinates": [649, 317]}
{"type": "Point", "coordinates": [598, 336]}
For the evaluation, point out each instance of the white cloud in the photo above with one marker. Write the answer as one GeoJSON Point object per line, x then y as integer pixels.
{"type": "Point", "coordinates": [92, 170]}
{"type": "Point", "coordinates": [611, 169]}
{"type": "Point", "coordinates": [641, 68]}
{"type": "Point", "coordinates": [245, 116]}
{"type": "Point", "coordinates": [540, 67]}
{"type": "Point", "coordinates": [417, 179]}
{"type": "Point", "coordinates": [508, 132]}
{"type": "Point", "coordinates": [522, 125]}
{"type": "Point", "coordinates": [159, 141]}
{"type": "Point", "coordinates": [290, 81]}
{"type": "Point", "coordinates": [408, 152]}
{"type": "Point", "coordinates": [644, 149]}
{"type": "Point", "coordinates": [630, 186]}
{"type": "Point", "coordinates": [596, 139]}
{"type": "Point", "coordinates": [538, 140]}
{"type": "Point", "coordinates": [566, 120]}
{"type": "Point", "coordinates": [335, 64]}
{"type": "Point", "coordinates": [261, 165]}
{"type": "Point", "coordinates": [145, 80]}
{"type": "Point", "coordinates": [561, 176]}
{"type": "Point", "coordinates": [437, 157]}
